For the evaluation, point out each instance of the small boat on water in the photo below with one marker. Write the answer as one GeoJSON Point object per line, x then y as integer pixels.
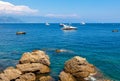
{"type": "Point", "coordinates": [47, 24]}
{"type": "Point", "coordinates": [82, 23]}
{"type": "Point", "coordinates": [68, 27]}
{"type": "Point", "coordinates": [61, 24]}
{"type": "Point", "coordinates": [20, 33]}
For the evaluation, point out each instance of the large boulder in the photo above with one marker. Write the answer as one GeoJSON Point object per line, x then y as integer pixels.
{"type": "Point", "coordinates": [46, 78]}
{"type": "Point", "coordinates": [27, 77]}
{"type": "Point", "coordinates": [79, 67]}
{"type": "Point", "coordinates": [30, 63]}
{"type": "Point", "coordinates": [33, 67]}
{"type": "Point", "coordinates": [66, 77]}
{"type": "Point", "coordinates": [36, 56]}
{"type": "Point", "coordinates": [10, 74]}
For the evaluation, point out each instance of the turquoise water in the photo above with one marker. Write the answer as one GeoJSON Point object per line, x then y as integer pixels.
{"type": "Point", "coordinates": [96, 42]}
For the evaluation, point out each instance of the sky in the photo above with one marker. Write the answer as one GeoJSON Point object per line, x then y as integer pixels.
{"type": "Point", "coordinates": [81, 10]}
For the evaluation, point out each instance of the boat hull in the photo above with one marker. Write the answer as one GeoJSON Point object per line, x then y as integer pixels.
{"type": "Point", "coordinates": [69, 28]}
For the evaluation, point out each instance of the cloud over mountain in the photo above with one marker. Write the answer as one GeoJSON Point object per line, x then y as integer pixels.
{"type": "Point", "coordinates": [11, 9]}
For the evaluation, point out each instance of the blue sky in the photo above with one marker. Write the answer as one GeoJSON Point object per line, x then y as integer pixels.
{"type": "Point", "coordinates": [81, 10]}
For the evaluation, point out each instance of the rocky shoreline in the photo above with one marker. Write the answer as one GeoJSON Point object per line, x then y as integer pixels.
{"type": "Point", "coordinates": [37, 62]}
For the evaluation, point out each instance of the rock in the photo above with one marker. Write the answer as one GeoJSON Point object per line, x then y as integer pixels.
{"type": "Point", "coordinates": [46, 78]}
{"type": "Point", "coordinates": [98, 76]}
{"type": "Point", "coordinates": [79, 67]}
{"type": "Point", "coordinates": [78, 64]}
{"type": "Point", "coordinates": [3, 77]}
{"type": "Point", "coordinates": [115, 30]}
{"type": "Point", "coordinates": [66, 77]}
{"type": "Point", "coordinates": [20, 33]}
{"type": "Point", "coordinates": [27, 77]}
{"type": "Point", "coordinates": [58, 51]}
{"type": "Point", "coordinates": [36, 56]}
{"type": "Point", "coordinates": [63, 51]}
{"type": "Point", "coordinates": [34, 67]}
{"type": "Point", "coordinates": [30, 63]}
{"type": "Point", "coordinates": [81, 74]}
{"type": "Point", "coordinates": [10, 74]}
{"type": "Point", "coordinates": [81, 70]}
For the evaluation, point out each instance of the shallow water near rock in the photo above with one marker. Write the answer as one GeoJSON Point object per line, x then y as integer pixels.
{"type": "Point", "coordinates": [96, 42]}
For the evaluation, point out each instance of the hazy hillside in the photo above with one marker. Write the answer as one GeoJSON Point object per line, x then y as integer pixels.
{"type": "Point", "coordinates": [4, 19]}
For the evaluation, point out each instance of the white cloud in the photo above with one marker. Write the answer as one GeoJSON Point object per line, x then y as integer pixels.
{"type": "Point", "coordinates": [62, 15]}
{"type": "Point", "coordinates": [10, 9]}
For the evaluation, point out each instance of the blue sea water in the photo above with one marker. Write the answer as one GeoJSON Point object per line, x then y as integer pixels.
{"type": "Point", "coordinates": [95, 42]}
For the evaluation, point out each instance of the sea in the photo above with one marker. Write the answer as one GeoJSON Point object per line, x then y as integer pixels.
{"type": "Point", "coordinates": [94, 41]}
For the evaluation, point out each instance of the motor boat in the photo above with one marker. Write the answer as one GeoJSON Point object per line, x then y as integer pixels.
{"type": "Point", "coordinates": [82, 23]}
{"type": "Point", "coordinates": [47, 24]}
{"type": "Point", "coordinates": [61, 24]}
{"type": "Point", "coordinates": [68, 27]}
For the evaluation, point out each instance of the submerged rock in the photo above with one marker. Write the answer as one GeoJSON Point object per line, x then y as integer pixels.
{"type": "Point", "coordinates": [115, 30]}
{"type": "Point", "coordinates": [58, 51]}
{"type": "Point", "coordinates": [20, 33]}
{"type": "Point", "coordinates": [63, 51]}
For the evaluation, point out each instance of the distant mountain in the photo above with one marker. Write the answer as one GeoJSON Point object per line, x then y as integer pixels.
{"type": "Point", "coordinates": [42, 19]}
{"type": "Point", "coordinates": [35, 19]}
{"type": "Point", "coordinates": [5, 19]}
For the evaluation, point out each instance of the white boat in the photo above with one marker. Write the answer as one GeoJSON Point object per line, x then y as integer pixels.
{"type": "Point", "coordinates": [47, 24]}
{"type": "Point", "coordinates": [61, 24]}
{"type": "Point", "coordinates": [68, 27]}
{"type": "Point", "coordinates": [83, 23]}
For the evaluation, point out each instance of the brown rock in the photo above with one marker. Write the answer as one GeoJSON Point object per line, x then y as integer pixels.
{"type": "Point", "coordinates": [73, 65]}
{"type": "Point", "coordinates": [12, 73]}
{"type": "Point", "coordinates": [81, 74]}
{"type": "Point", "coordinates": [3, 77]}
{"type": "Point", "coordinates": [57, 51]}
{"type": "Point", "coordinates": [36, 56]}
{"type": "Point", "coordinates": [20, 33]}
{"type": "Point", "coordinates": [27, 77]}
{"type": "Point", "coordinates": [79, 67]}
{"type": "Point", "coordinates": [34, 67]}
{"type": "Point", "coordinates": [91, 68]}
{"type": "Point", "coordinates": [46, 78]}
{"type": "Point", "coordinates": [66, 77]}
